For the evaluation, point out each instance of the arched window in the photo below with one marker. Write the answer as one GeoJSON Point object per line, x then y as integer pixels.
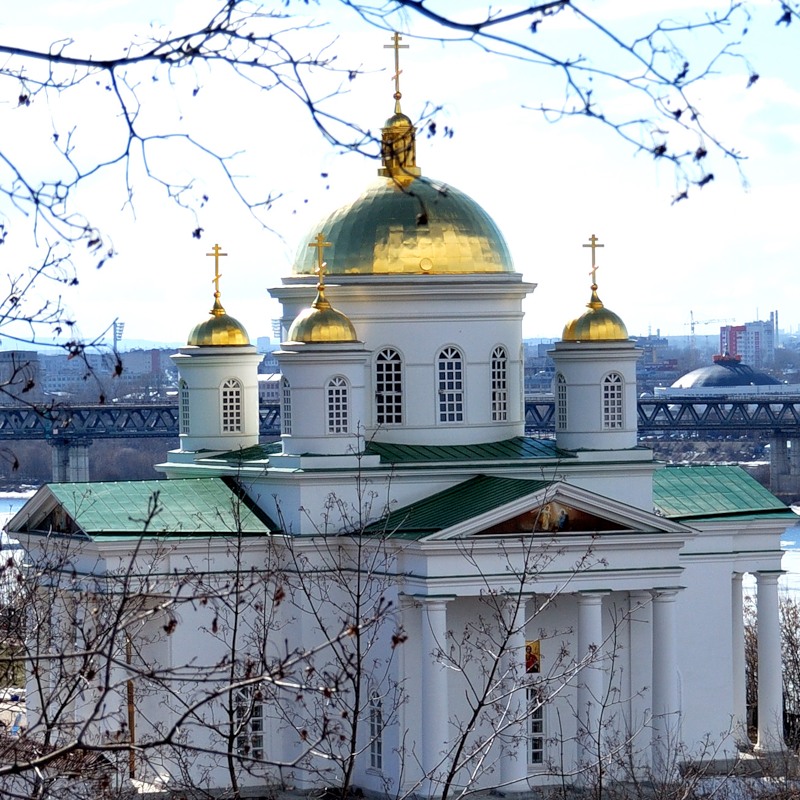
{"type": "Point", "coordinates": [183, 400]}
{"type": "Point", "coordinates": [389, 387]}
{"type": "Point", "coordinates": [338, 405]}
{"type": "Point", "coordinates": [561, 402]}
{"type": "Point", "coordinates": [613, 386]}
{"type": "Point", "coordinates": [286, 407]}
{"type": "Point", "coordinates": [499, 385]}
{"type": "Point", "coordinates": [376, 726]}
{"type": "Point", "coordinates": [450, 371]}
{"type": "Point", "coordinates": [231, 406]}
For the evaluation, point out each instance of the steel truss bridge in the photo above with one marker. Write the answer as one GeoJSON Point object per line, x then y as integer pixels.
{"type": "Point", "coordinates": [696, 414]}
{"type": "Point", "coordinates": [113, 421]}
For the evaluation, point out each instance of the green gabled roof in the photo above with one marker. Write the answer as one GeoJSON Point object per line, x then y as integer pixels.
{"type": "Point", "coordinates": [711, 491]}
{"type": "Point", "coordinates": [190, 506]}
{"type": "Point", "coordinates": [454, 505]}
{"type": "Point", "coordinates": [507, 450]}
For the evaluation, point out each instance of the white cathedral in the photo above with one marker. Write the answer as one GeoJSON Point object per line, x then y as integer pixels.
{"type": "Point", "coordinates": [405, 593]}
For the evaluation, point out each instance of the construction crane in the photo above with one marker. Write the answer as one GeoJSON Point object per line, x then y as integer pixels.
{"type": "Point", "coordinates": [692, 324]}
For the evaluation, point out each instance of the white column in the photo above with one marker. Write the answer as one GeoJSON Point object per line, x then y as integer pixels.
{"type": "Point", "coordinates": [435, 710]}
{"type": "Point", "coordinates": [514, 757]}
{"type": "Point", "coordinates": [591, 676]}
{"type": "Point", "coordinates": [666, 713]}
{"type": "Point", "coordinates": [770, 683]}
{"type": "Point", "coordinates": [640, 675]}
{"type": "Point", "coordinates": [739, 704]}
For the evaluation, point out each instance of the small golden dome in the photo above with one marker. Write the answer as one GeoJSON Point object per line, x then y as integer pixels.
{"type": "Point", "coordinates": [421, 228]}
{"type": "Point", "coordinates": [598, 324]}
{"type": "Point", "coordinates": [220, 329]}
{"type": "Point", "coordinates": [321, 323]}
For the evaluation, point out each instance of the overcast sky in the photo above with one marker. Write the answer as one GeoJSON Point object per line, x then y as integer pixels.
{"type": "Point", "coordinates": [728, 253]}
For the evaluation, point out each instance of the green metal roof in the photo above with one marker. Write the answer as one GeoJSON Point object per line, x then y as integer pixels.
{"type": "Point", "coordinates": [258, 452]}
{"type": "Point", "coordinates": [711, 491]}
{"type": "Point", "coordinates": [191, 506]}
{"type": "Point", "coordinates": [507, 450]}
{"type": "Point", "coordinates": [454, 505]}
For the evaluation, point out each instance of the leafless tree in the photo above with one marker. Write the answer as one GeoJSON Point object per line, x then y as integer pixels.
{"type": "Point", "coordinates": [106, 705]}
{"type": "Point", "coordinates": [659, 64]}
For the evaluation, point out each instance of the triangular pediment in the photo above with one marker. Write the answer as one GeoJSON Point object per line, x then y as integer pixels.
{"type": "Point", "coordinates": [560, 509]}
{"type": "Point", "coordinates": [554, 516]}
{"type": "Point", "coordinates": [491, 506]}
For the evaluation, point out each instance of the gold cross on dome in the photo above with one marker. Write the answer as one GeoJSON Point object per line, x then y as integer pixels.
{"type": "Point", "coordinates": [594, 243]}
{"type": "Point", "coordinates": [397, 47]}
{"type": "Point", "coordinates": [217, 253]}
{"type": "Point", "coordinates": [320, 244]}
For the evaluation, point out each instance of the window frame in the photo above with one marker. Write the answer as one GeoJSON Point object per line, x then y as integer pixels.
{"type": "Point", "coordinates": [248, 714]}
{"type": "Point", "coordinates": [231, 406]}
{"type": "Point", "coordinates": [389, 387]}
{"type": "Point", "coordinates": [499, 369]}
{"type": "Point", "coordinates": [286, 406]}
{"type": "Point", "coordinates": [613, 389]}
{"type": "Point", "coordinates": [376, 729]}
{"type": "Point", "coordinates": [562, 418]}
{"type": "Point", "coordinates": [337, 406]}
{"type": "Point", "coordinates": [184, 418]}
{"type": "Point", "coordinates": [450, 385]}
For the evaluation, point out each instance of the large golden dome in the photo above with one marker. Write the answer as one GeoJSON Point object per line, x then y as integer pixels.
{"type": "Point", "coordinates": [410, 227]}
{"type": "Point", "coordinates": [598, 324]}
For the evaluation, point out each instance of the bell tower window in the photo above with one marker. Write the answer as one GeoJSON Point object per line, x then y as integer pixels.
{"type": "Point", "coordinates": [183, 398]}
{"type": "Point", "coordinates": [450, 371]}
{"type": "Point", "coordinates": [338, 405]}
{"type": "Point", "coordinates": [389, 387]}
{"type": "Point", "coordinates": [286, 407]}
{"type": "Point", "coordinates": [499, 385]}
{"type": "Point", "coordinates": [231, 406]}
{"type": "Point", "coordinates": [561, 402]}
{"type": "Point", "coordinates": [613, 386]}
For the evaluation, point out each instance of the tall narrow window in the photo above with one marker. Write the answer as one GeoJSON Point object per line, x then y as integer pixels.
{"type": "Point", "coordinates": [338, 406]}
{"type": "Point", "coordinates": [536, 728]}
{"type": "Point", "coordinates": [375, 730]}
{"type": "Point", "coordinates": [561, 402]}
{"type": "Point", "coordinates": [612, 400]}
{"type": "Point", "coordinates": [286, 407]}
{"type": "Point", "coordinates": [183, 399]}
{"type": "Point", "coordinates": [231, 406]}
{"type": "Point", "coordinates": [389, 387]}
{"type": "Point", "coordinates": [499, 385]}
{"type": "Point", "coordinates": [249, 721]}
{"type": "Point", "coordinates": [451, 385]}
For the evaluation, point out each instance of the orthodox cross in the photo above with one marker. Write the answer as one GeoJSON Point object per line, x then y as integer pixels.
{"type": "Point", "coordinates": [320, 244]}
{"type": "Point", "coordinates": [594, 244]}
{"type": "Point", "coordinates": [397, 47]}
{"type": "Point", "coordinates": [216, 254]}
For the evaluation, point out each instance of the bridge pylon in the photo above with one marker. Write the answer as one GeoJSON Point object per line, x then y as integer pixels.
{"type": "Point", "coordinates": [784, 466]}
{"type": "Point", "coordinates": [70, 460]}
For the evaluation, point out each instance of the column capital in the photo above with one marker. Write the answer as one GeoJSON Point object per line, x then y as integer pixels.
{"type": "Point", "coordinates": [592, 596]}
{"type": "Point", "coordinates": [666, 594]}
{"type": "Point", "coordinates": [768, 576]}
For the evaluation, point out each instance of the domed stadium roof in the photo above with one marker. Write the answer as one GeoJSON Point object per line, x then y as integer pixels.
{"type": "Point", "coordinates": [725, 372]}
